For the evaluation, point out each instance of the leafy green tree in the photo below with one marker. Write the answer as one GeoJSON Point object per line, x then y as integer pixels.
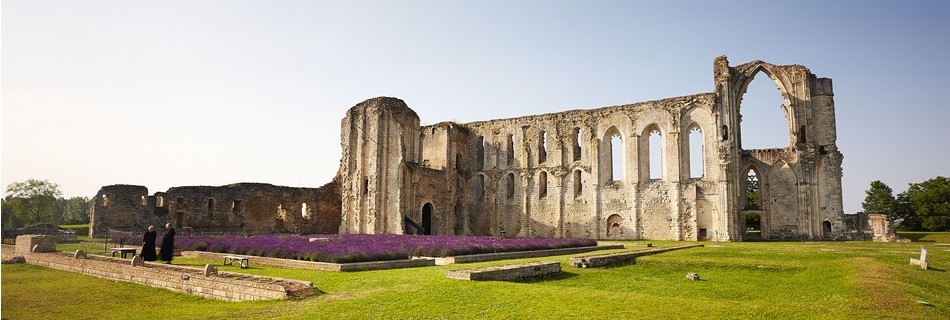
{"type": "Point", "coordinates": [879, 199]}
{"type": "Point", "coordinates": [904, 213]}
{"type": "Point", "coordinates": [75, 210]}
{"type": "Point", "coordinates": [34, 201]}
{"type": "Point", "coordinates": [931, 201]}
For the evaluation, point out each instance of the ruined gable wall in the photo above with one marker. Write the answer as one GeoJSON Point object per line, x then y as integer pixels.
{"type": "Point", "coordinates": [235, 208]}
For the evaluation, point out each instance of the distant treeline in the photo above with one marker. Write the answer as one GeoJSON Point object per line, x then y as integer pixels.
{"type": "Point", "coordinates": [40, 201]}
{"type": "Point", "coordinates": [924, 206]}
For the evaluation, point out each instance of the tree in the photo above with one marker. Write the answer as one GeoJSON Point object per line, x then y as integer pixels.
{"type": "Point", "coordinates": [75, 210]}
{"type": "Point", "coordinates": [879, 199]}
{"type": "Point", "coordinates": [33, 201]}
{"type": "Point", "coordinates": [904, 214]}
{"type": "Point", "coordinates": [930, 200]}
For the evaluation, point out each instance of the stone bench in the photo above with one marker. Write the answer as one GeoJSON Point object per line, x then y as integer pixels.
{"type": "Point", "coordinates": [507, 272]}
{"type": "Point", "coordinates": [601, 260]}
{"type": "Point", "coordinates": [242, 260]}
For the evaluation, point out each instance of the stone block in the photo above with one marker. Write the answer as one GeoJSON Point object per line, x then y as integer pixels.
{"type": "Point", "coordinates": [30, 243]}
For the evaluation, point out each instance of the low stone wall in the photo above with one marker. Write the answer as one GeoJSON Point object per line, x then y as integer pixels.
{"type": "Point", "coordinates": [325, 266]}
{"type": "Point", "coordinates": [216, 285]}
{"type": "Point", "coordinates": [520, 254]}
{"type": "Point", "coordinates": [621, 257]}
{"type": "Point", "coordinates": [7, 251]}
{"type": "Point", "coordinates": [507, 272]}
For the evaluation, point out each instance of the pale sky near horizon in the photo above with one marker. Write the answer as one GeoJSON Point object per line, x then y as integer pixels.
{"type": "Point", "coordinates": [175, 93]}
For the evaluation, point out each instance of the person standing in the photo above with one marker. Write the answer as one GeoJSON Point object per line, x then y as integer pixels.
{"type": "Point", "coordinates": [168, 244]}
{"type": "Point", "coordinates": [148, 244]}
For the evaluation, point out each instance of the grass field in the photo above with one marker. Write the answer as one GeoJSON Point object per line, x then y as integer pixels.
{"type": "Point", "coordinates": [767, 280]}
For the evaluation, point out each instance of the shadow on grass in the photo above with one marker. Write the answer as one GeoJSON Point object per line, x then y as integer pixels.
{"type": "Point", "coordinates": [915, 236]}
{"type": "Point", "coordinates": [560, 276]}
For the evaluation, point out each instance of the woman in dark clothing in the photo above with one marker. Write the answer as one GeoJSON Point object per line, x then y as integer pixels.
{"type": "Point", "coordinates": [168, 244]}
{"type": "Point", "coordinates": [148, 244]}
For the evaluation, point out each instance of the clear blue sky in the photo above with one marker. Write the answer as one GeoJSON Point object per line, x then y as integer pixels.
{"type": "Point", "coordinates": [171, 93]}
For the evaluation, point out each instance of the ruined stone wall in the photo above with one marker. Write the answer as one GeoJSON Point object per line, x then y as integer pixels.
{"type": "Point", "coordinates": [587, 173]}
{"type": "Point", "coordinates": [235, 208]}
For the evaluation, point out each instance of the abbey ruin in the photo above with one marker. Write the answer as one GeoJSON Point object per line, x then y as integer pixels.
{"type": "Point", "coordinates": [587, 173]}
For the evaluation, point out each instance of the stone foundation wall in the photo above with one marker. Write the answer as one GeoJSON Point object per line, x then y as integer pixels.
{"type": "Point", "coordinates": [325, 266]}
{"type": "Point", "coordinates": [507, 272]}
{"type": "Point", "coordinates": [621, 257]}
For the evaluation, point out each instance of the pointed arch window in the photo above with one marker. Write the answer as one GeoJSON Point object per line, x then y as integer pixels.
{"type": "Point", "coordinates": [543, 184]}
{"type": "Point", "coordinates": [753, 194]}
{"type": "Point", "coordinates": [542, 147]}
{"type": "Point", "coordinates": [697, 153]}
{"type": "Point", "coordinates": [656, 154]}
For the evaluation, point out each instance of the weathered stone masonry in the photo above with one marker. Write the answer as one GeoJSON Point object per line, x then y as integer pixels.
{"type": "Point", "coordinates": [552, 175]}
{"type": "Point", "coordinates": [235, 208]}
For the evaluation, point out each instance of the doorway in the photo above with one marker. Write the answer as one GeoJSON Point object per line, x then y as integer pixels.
{"type": "Point", "coordinates": [427, 219]}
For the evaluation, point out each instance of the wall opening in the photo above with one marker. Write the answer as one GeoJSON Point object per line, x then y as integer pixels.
{"type": "Point", "coordinates": [304, 210]}
{"type": "Point", "coordinates": [697, 153]}
{"type": "Point", "coordinates": [801, 135]}
{"type": "Point", "coordinates": [764, 120]}
{"type": "Point", "coordinates": [753, 226]}
{"type": "Point", "coordinates": [105, 200]}
{"type": "Point", "coordinates": [159, 201]}
{"type": "Point", "coordinates": [613, 154]}
{"type": "Point", "coordinates": [210, 204]}
{"type": "Point", "coordinates": [480, 153]}
{"type": "Point", "coordinates": [510, 186]}
{"type": "Point", "coordinates": [458, 162]}
{"type": "Point", "coordinates": [144, 201]}
{"type": "Point", "coordinates": [725, 133]}
{"type": "Point", "coordinates": [365, 186]}
{"type": "Point", "coordinates": [542, 184]}
{"type": "Point", "coordinates": [179, 219]}
{"type": "Point", "coordinates": [542, 147]}
{"type": "Point", "coordinates": [702, 234]}
{"type": "Point", "coordinates": [578, 184]}
{"type": "Point", "coordinates": [237, 206]}
{"type": "Point", "coordinates": [427, 219]}
{"type": "Point", "coordinates": [656, 154]}
{"type": "Point", "coordinates": [577, 144]}
{"type": "Point", "coordinates": [614, 225]}
{"type": "Point", "coordinates": [826, 229]}
{"type": "Point", "coordinates": [753, 195]}
{"type": "Point", "coordinates": [510, 150]}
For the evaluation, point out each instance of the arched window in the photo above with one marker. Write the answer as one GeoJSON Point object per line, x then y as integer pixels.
{"type": "Point", "coordinates": [542, 147]}
{"type": "Point", "coordinates": [616, 157]}
{"type": "Point", "coordinates": [303, 210]}
{"type": "Point", "coordinates": [578, 184]}
{"type": "Point", "coordinates": [764, 118]}
{"type": "Point", "coordinates": [697, 153]}
{"type": "Point", "coordinates": [577, 144]}
{"type": "Point", "coordinates": [753, 194]}
{"type": "Point", "coordinates": [480, 153]}
{"type": "Point", "coordinates": [656, 154]}
{"type": "Point", "coordinates": [542, 184]}
{"type": "Point", "coordinates": [510, 150]}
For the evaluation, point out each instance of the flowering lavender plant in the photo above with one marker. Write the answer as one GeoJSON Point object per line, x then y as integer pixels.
{"type": "Point", "coordinates": [365, 247]}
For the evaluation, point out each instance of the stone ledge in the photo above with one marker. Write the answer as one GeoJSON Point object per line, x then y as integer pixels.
{"type": "Point", "coordinates": [621, 257]}
{"type": "Point", "coordinates": [221, 286]}
{"type": "Point", "coordinates": [507, 272]}
{"type": "Point", "coordinates": [325, 266]}
{"type": "Point", "coordinates": [482, 257]}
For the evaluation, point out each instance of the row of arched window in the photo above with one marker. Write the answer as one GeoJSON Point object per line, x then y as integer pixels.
{"type": "Point", "coordinates": [508, 183]}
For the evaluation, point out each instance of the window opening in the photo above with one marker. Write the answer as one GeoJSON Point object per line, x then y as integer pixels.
{"type": "Point", "coordinates": [697, 153]}
{"type": "Point", "coordinates": [543, 185]}
{"type": "Point", "coordinates": [752, 192]}
{"type": "Point", "coordinates": [510, 149]}
{"type": "Point", "coordinates": [616, 157]}
{"type": "Point", "coordinates": [542, 147]}
{"type": "Point", "coordinates": [577, 144]}
{"type": "Point", "coordinates": [578, 184]}
{"type": "Point", "coordinates": [510, 188]}
{"type": "Point", "coordinates": [656, 154]}
{"type": "Point", "coordinates": [763, 120]}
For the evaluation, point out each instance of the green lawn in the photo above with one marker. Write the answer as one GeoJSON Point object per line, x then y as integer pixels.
{"type": "Point", "coordinates": [768, 280]}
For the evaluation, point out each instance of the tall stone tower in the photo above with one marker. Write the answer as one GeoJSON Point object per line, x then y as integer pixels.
{"type": "Point", "coordinates": [379, 137]}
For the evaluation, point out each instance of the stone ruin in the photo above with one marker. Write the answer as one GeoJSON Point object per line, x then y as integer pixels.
{"type": "Point", "coordinates": [554, 175]}
{"type": "Point", "coordinates": [241, 208]}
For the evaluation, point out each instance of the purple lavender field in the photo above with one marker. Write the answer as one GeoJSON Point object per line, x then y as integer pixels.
{"type": "Point", "coordinates": [365, 247]}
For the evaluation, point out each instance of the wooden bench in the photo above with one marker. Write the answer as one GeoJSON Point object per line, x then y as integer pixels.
{"type": "Point", "coordinates": [243, 260]}
{"type": "Point", "coordinates": [123, 251]}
